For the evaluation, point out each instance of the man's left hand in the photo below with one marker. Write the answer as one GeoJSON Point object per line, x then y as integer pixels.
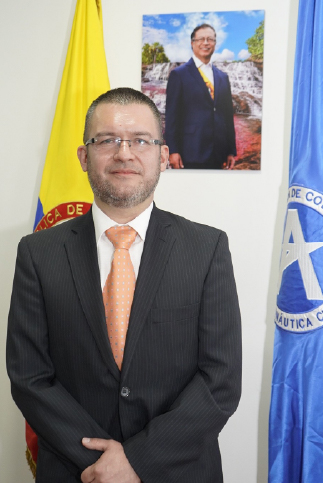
{"type": "Point", "coordinates": [113, 465]}
{"type": "Point", "coordinates": [230, 161]}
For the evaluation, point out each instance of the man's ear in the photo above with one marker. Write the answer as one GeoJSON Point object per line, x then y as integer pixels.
{"type": "Point", "coordinates": [164, 155]}
{"type": "Point", "coordinates": [82, 155]}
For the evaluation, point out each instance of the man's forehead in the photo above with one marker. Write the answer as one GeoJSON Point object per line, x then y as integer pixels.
{"type": "Point", "coordinates": [205, 31]}
{"type": "Point", "coordinates": [126, 111]}
{"type": "Point", "coordinates": [132, 117]}
{"type": "Point", "coordinates": [112, 109]}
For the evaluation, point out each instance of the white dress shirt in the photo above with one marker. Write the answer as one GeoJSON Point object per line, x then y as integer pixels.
{"type": "Point", "coordinates": [205, 68]}
{"type": "Point", "coordinates": [106, 249]}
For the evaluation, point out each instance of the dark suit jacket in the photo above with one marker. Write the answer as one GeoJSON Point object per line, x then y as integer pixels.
{"type": "Point", "coordinates": [200, 129]}
{"type": "Point", "coordinates": [182, 362]}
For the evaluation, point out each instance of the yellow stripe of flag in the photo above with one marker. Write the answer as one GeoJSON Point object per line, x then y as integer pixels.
{"type": "Point", "coordinates": [85, 77]}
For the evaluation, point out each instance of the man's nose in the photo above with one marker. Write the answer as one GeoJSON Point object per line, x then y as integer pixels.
{"type": "Point", "coordinates": [127, 141]}
{"type": "Point", "coordinates": [123, 151]}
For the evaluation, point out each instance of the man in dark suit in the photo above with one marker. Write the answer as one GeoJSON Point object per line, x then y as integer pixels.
{"type": "Point", "coordinates": [154, 416]}
{"type": "Point", "coordinates": [199, 127]}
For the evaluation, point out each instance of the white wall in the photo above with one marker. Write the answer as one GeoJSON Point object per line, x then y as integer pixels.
{"type": "Point", "coordinates": [250, 206]}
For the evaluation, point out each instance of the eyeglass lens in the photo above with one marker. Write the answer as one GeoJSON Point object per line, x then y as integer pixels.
{"type": "Point", "coordinates": [205, 39]}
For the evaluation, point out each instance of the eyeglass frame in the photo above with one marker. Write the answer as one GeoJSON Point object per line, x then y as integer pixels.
{"type": "Point", "coordinates": [152, 142]}
{"type": "Point", "coordinates": [203, 39]}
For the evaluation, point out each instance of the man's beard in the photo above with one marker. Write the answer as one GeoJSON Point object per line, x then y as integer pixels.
{"type": "Point", "coordinates": [120, 197]}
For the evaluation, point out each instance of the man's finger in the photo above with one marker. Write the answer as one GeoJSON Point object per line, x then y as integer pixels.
{"type": "Point", "coordinates": [230, 162]}
{"type": "Point", "coordinates": [95, 443]}
{"type": "Point", "coordinates": [87, 475]}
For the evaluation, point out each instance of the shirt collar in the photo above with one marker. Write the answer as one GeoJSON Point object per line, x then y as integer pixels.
{"type": "Point", "coordinates": [102, 222]}
{"type": "Point", "coordinates": [199, 63]}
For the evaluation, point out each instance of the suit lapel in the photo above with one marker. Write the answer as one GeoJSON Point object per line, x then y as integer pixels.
{"type": "Point", "coordinates": [82, 254]}
{"type": "Point", "coordinates": [158, 244]}
{"type": "Point", "coordinates": [217, 81]}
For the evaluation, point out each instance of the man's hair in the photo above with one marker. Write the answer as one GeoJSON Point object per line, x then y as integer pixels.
{"type": "Point", "coordinates": [122, 96]}
{"type": "Point", "coordinates": [202, 26]}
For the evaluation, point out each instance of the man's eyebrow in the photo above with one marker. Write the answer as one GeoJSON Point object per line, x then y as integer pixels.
{"type": "Point", "coordinates": [133, 133]}
{"type": "Point", "coordinates": [142, 133]}
{"type": "Point", "coordinates": [105, 133]}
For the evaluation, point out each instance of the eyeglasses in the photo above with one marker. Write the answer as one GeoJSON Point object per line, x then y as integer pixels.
{"type": "Point", "coordinates": [107, 144]}
{"type": "Point", "coordinates": [201, 40]}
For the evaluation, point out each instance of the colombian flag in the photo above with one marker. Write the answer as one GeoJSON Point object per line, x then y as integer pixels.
{"type": "Point", "coordinates": [65, 192]}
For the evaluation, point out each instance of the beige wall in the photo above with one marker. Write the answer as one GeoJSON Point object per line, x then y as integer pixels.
{"type": "Point", "coordinates": [250, 206]}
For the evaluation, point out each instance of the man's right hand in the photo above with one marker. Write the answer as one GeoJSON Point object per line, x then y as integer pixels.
{"type": "Point", "coordinates": [175, 161]}
{"type": "Point", "coordinates": [112, 466]}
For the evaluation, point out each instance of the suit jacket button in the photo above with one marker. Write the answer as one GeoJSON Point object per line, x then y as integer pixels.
{"type": "Point", "coordinates": [125, 391]}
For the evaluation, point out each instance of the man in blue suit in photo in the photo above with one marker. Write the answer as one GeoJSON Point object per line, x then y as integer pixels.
{"type": "Point", "coordinates": [199, 114]}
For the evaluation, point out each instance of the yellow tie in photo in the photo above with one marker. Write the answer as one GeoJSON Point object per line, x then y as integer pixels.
{"type": "Point", "coordinates": [208, 83]}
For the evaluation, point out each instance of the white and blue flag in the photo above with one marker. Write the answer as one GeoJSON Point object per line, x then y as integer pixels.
{"type": "Point", "coordinates": [296, 412]}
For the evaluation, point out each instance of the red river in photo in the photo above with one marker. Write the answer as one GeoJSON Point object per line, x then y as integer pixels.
{"type": "Point", "coordinates": [248, 140]}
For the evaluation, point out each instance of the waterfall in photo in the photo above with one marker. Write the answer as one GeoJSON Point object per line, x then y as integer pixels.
{"type": "Point", "coordinates": [246, 86]}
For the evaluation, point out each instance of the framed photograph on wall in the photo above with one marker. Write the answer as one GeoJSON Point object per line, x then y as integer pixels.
{"type": "Point", "coordinates": [204, 71]}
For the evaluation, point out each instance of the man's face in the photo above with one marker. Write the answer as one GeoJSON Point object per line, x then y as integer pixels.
{"type": "Point", "coordinates": [204, 49]}
{"type": "Point", "coordinates": [123, 177]}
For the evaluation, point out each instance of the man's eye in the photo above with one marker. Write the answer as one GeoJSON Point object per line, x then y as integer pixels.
{"type": "Point", "coordinates": [140, 142]}
{"type": "Point", "coordinates": [108, 141]}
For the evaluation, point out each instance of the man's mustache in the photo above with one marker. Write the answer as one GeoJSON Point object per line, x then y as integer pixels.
{"type": "Point", "coordinates": [120, 166]}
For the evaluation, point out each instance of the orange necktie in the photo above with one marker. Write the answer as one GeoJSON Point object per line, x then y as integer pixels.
{"type": "Point", "coordinates": [119, 289]}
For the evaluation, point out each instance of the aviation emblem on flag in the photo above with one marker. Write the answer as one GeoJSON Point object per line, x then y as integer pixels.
{"type": "Point", "coordinates": [300, 294]}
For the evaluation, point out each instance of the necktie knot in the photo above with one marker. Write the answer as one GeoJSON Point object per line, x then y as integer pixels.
{"type": "Point", "coordinates": [121, 236]}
